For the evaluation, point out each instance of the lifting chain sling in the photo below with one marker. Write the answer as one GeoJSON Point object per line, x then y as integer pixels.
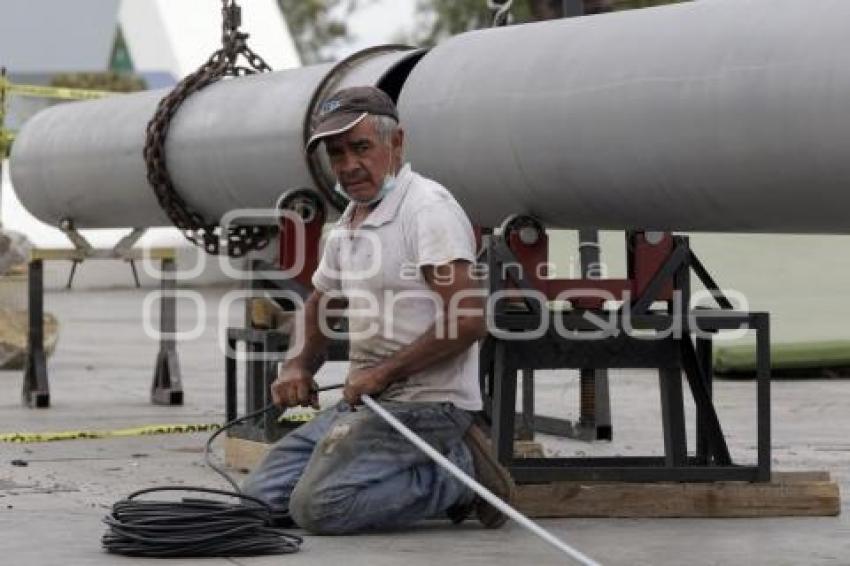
{"type": "Point", "coordinates": [223, 63]}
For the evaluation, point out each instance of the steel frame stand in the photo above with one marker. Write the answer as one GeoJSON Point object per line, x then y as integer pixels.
{"type": "Point", "coordinates": [35, 392]}
{"type": "Point", "coordinates": [594, 421]}
{"type": "Point", "coordinates": [167, 386]}
{"type": "Point", "coordinates": [259, 375]}
{"type": "Point", "coordinates": [265, 350]}
{"type": "Point", "coordinates": [299, 239]}
{"type": "Point", "coordinates": [659, 271]}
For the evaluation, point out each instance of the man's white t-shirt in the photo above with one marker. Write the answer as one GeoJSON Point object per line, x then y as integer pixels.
{"type": "Point", "coordinates": [378, 269]}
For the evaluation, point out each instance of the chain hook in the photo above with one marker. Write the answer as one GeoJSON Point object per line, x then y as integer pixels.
{"type": "Point", "coordinates": [502, 15]}
{"type": "Point", "coordinates": [231, 16]}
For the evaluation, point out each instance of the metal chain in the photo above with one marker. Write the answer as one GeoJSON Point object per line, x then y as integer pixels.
{"type": "Point", "coordinates": [223, 63]}
{"type": "Point", "coordinates": [502, 15]}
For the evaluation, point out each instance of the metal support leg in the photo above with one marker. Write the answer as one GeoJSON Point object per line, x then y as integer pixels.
{"type": "Point", "coordinates": [504, 403]}
{"type": "Point", "coordinates": [167, 388]}
{"type": "Point", "coordinates": [716, 450]}
{"type": "Point", "coordinates": [135, 273]}
{"type": "Point", "coordinates": [526, 429]}
{"type": "Point", "coordinates": [587, 398]}
{"type": "Point", "coordinates": [595, 403]}
{"type": "Point", "coordinates": [595, 409]}
{"type": "Point", "coordinates": [70, 282]}
{"type": "Point", "coordinates": [673, 417]}
{"type": "Point", "coordinates": [485, 377]}
{"type": "Point", "coordinates": [603, 429]}
{"type": "Point", "coordinates": [36, 389]}
{"type": "Point", "coordinates": [706, 365]}
{"type": "Point", "coordinates": [230, 392]}
{"type": "Point", "coordinates": [762, 326]}
{"type": "Point", "coordinates": [273, 344]}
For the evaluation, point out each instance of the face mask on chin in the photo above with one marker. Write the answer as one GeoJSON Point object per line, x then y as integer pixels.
{"type": "Point", "coordinates": [389, 184]}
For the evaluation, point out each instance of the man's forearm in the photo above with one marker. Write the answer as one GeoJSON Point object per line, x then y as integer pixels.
{"type": "Point", "coordinates": [314, 343]}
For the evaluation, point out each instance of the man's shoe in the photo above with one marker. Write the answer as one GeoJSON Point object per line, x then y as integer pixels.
{"type": "Point", "coordinates": [492, 475]}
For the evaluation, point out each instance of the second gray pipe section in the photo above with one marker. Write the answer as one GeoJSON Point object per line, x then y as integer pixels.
{"type": "Point", "coordinates": [712, 115]}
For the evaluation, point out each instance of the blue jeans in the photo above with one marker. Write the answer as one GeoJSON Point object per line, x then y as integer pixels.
{"type": "Point", "coordinates": [348, 471]}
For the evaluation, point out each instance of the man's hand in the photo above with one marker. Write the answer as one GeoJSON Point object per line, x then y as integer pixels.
{"type": "Point", "coordinates": [370, 381]}
{"type": "Point", "coordinates": [295, 386]}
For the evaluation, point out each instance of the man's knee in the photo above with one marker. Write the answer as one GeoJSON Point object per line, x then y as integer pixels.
{"type": "Point", "coordinates": [321, 510]}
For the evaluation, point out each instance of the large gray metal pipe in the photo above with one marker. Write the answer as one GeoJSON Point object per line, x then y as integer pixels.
{"type": "Point", "coordinates": [235, 144]}
{"type": "Point", "coordinates": [715, 115]}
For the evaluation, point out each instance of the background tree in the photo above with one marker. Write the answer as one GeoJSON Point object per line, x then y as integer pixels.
{"type": "Point", "coordinates": [317, 26]}
{"type": "Point", "coordinates": [444, 18]}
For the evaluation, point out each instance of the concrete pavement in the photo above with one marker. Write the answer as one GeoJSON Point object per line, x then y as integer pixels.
{"type": "Point", "coordinates": [50, 510]}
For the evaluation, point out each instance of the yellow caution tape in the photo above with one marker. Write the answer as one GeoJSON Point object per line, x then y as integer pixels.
{"type": "Point", "coordinates": [34, 437]}
{"type": "Point", "coordinates": [59, 93]}
{"type": "Point", "coordinates": [297, 417]}
{"type": "Point", "coordinates": [29, 437]}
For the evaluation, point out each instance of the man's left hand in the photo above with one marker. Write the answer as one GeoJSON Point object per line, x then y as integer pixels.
{"type": "Point", "coordinates": [369, 381]}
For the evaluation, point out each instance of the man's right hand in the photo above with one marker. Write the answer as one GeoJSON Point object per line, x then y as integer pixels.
{"type": "Point", "coordinates": [295, 387]}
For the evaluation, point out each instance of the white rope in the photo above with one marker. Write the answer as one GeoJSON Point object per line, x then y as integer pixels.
{"type": "Point", "coordinates": [485, 493]}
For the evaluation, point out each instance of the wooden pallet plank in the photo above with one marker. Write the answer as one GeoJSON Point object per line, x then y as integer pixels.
{"type": "Point", "coordinates": [807, 493]}
{"type": "Point", "coordinates": [789, 496]}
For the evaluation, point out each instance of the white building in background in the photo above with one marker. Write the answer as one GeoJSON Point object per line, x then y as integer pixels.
{"type": "Point", "coordinates": [177, 36]}
{"type": "Point", "coordinates": [160, 40]}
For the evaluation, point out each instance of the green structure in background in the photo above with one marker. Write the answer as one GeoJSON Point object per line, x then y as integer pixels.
{"type": "Point", "coordinates": [121, 61]}
{"type": "Point", "coordinates": [74, 86]}
{"type": "Point", "coordinates": [802, 359]}
{"type": "Point", "coordinates": [120, 77]}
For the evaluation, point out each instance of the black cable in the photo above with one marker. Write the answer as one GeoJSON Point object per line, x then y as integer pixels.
{"type": "Point", "coordinates": [208, 447]}
{"type": "Point", "coordinates": [193, 527]}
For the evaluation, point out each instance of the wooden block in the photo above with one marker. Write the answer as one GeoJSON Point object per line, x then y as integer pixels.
{"type": "Point", "coordinates": [790, 494]}
{"type": "Point", "coordinates": [243, 455]}
{"type": "Point", "coordinates": [528, 449]}
{"type": "Point", "coordinates": [796, 477]}
{"type": "Point", "coordinates": [54, 254]}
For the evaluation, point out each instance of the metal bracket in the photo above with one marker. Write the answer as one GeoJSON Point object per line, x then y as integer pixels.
{"type": "Point", "coordinates": [595, 406]}
{"type": "Point", "coordinates": [672, 356]}
{"type": "Point", "coordinates": [121, 250]}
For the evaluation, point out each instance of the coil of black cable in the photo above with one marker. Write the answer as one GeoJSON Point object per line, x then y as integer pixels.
{"type": "Point", "coordinates": [193, 527]}
{"type": "Point", "coordinates": [200, 528]}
